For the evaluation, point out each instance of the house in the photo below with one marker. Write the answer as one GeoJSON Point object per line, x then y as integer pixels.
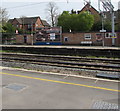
{"type": "Point", "coordinates": [93, 38]}
{"type": "Point", "coordinates": [29, 23]}
{"type": "Point", "coordinates": [89, 8]}
{"type": "Point", "coordinates": [45, 24]}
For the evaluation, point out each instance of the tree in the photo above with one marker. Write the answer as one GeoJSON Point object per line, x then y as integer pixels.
{"type": "Point", "coordinates": [52, 11]}
{"type": "Point", "coordinates": [64, 21]}
{"type": "Point", "coordinates": [4, 15]}
{"type": "Point", "coordinates": [1, 29]}
{"type": "Point", "coordinates": [8, 28]}
{"type": "Point", "coordinates": [3, 20]}
{"type": "Point", "coordinates": [8, 33]}
{"type": "Point", "coordinates": [76, 22]}
{"type": "Point", "coordinates": [85, 21]}
{"type": "Point", "coordinates": [98, 25]}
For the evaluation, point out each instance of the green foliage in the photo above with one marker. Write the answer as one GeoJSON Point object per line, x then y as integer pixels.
{"type": "Point", "coordinates": [8, 33]}
{"type": "Point", "coordinates": [1, 29]}
{"type": "Point", "coordinates": [108, 26]}
{"type": "Point", "coordinates": [64, 20]}
{"type": "Point", "coordinates": [98, 26]}
{"type": "Point", "coordinates": [86, 21]}
{"type": "Point", "coordinates": [75, 22]}
{"type": "Point", "coordinates": [8, 28]}
{"type": "Point", "coordinates": [20, 31]}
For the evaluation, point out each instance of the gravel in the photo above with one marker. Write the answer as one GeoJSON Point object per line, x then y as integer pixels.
{"type": "Point", "coordinates": [54, 69]}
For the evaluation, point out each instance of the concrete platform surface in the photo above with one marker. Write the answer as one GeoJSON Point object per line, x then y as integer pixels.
{"type": "Point", "coordinates": [52, 46]}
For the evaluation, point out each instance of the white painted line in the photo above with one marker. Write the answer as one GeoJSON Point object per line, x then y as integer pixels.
{"type": "Point", "coordinates": [66, 76]}
{"type": "Point", "coordinates": [96, 81]}
{"type": "Point", "coordinates": [85, 77]}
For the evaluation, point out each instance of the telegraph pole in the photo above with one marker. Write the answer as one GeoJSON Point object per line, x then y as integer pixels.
{"type": "Point", "coordinates": [107, 5]}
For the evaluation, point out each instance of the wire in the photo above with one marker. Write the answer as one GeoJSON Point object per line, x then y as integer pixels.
{"type": "Point", "coordinates": [67, 1]}
{"type": "Point", "coordinates": [30, 5]}
{"type": "Point", "coordinates": [25, 5]}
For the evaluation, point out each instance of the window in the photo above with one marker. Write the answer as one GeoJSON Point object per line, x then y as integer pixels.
{"type": "Point", "coordinates": [99, 37]}
{"type": "Point", "coordinates": [41, 25]}
{"type": "Point", "coordinates": [87, 36]}
{"type": "Point", "coordinates": [17, 25]}
{"type": "Point", "coordinates": [36, 25]}
{"type": "Point", "coordinates": [109, 35]}
{"type": "Point", "coordinates": [29, 26]}
{"type": "Point", "coordinates": [65, 39]}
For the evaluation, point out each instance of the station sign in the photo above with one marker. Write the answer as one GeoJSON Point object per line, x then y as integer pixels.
{"type": "Point", "coordinates": [52, 36]}
{"type": "Point", "coordinates": [102, 31]}
{"type": "Point", "coordinates": [114, 37]}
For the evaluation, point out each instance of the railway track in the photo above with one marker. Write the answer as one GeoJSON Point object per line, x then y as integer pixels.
{"type": "Point", "coordinates": [101, 64]}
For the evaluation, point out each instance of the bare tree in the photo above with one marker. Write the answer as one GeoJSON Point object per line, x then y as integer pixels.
{"type": "Point", "coordinates": [52, 11]}
{"type": "Point", "coordinates": [3, 15]}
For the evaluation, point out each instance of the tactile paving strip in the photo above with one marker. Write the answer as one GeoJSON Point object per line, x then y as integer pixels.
{"type": "Point", "coordinates": [105, 105]}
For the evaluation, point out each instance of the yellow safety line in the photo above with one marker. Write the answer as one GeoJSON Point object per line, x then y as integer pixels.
{"type": "Point", "coordinates": [61, 82]}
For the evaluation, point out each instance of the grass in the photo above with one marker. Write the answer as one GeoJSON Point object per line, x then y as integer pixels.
{"type": "Point", "coordinates": [5, 51]}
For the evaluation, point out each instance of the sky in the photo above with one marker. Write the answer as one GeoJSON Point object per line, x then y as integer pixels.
{"type": "Point", "coordinates": [32, 8]}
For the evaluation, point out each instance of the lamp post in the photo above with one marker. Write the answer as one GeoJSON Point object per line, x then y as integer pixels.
{"type": "Point", "coordinates": [103, 36]}
{"type": "Point", "coordinates": [32, 32]}
{"type": "Point", "coordinates": [113, 29]}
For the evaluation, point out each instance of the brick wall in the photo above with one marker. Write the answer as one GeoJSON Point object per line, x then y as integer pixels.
{"type": "Point", "coordinates": [79, 39]}
{"type": "Point", "coordinates": [74, 39]}
{"type": "Point", "coordinates": [38, 24]}
{"type": "Point", "coordinates": [20, 39]}
{"type": "Point", "coordinates": [15, 23]}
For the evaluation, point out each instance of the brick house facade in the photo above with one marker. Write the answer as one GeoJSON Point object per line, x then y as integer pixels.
{"type": "Point", "coordinates": [89, 8]}
{"type": "Point", "coordinates": [29, 23]}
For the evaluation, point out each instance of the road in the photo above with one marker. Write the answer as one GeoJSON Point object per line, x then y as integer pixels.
{"type": "Point", "coordinates": [32, 90]}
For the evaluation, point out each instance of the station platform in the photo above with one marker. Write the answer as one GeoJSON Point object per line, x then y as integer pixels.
{"type": "Point", "coordinates": [68, 47]}
{"type": "Point", "coordinates": [97, 51]}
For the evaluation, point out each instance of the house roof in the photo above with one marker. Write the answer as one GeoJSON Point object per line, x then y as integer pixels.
{"type": "Point", "coordinates": [45, 23]}
{"type": "Point", "coordinates": [88, 6]}
{"type": "Point", "coordinates": [10, 20]}
{"type": "Point", "coordinates": [19, 20]}
{"type": "Point", "coordinates": [29, 20]}
{"type": "Point", "coordinates": [25, 20]}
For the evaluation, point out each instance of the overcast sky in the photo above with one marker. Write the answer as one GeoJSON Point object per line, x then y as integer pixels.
{"type": "Point", "coordinates": [31, 8]}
